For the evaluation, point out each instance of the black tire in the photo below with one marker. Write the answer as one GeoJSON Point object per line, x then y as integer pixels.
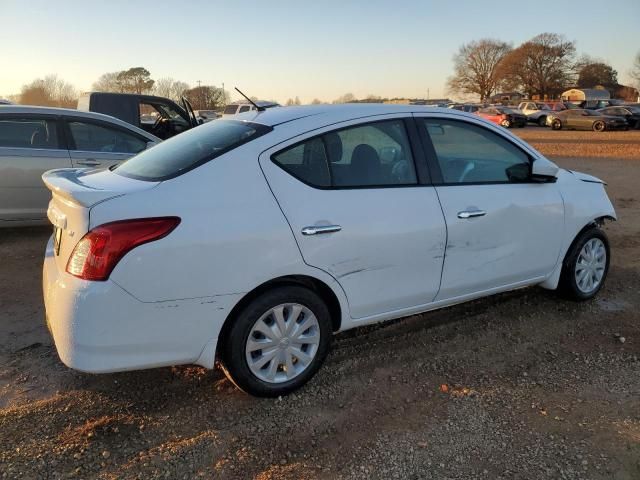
{"type": "Point", "coordinates": [568, 286]}
{"type": "Point", "coordinates": [522, 125]}
{"type": "Point", "coordinates": [542, 121]}
{"type": "Point", "coordinates": [233, 356]}
{"type": "Point", "coordinates": [598, 126]}
{"type": "Point", "coordinates": [556, 125]}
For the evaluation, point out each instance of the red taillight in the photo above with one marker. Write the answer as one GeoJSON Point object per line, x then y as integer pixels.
{"type": "Point", "coordinates": [98, 252]}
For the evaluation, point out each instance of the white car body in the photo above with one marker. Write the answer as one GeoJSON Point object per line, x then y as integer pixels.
{"type": "Point", "coordinates": [400, 251]}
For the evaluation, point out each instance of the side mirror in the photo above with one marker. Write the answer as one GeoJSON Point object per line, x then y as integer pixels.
{"type": "Point", "coordinates": [544, 170]}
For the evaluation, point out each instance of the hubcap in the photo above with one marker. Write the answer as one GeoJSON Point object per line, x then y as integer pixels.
{"type": "Point", "coordinates": [590, 265]}
{"type": "Point", "coordinates": [282, 343]}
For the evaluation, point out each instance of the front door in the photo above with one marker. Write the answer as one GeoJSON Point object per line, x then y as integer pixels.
{"type": "Point", "coordinates": [99, 144]}
{"type": "Point", "coordinates": [359, 211]}
{"type": "Point", "coordinates": [29, 146]}
{"type": "Point", "coordinates": [503, 229]}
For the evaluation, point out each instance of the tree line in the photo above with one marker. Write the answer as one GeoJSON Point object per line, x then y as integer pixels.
{"type": "Point", "coordinates": [545, 66]}
{"type": "Point", "coordinates": [52, 91]}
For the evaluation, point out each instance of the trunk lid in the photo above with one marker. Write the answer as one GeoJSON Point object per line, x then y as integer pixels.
{"type": "Point", "coordinates": [74, 192]}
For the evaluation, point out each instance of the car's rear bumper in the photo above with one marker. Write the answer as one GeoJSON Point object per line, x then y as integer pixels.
{"type": "Point", "coordinates": [99, 327]}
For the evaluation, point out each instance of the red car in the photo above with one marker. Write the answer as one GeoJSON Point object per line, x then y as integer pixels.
{"type": "Point", "coordinates": [503, 116]}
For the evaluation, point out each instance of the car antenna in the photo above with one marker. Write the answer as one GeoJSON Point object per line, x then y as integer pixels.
{"type": "Point", "coordinates": [260, 109]}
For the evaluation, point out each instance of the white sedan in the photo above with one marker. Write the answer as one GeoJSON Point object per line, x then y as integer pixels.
{"type": "Point", "coordinates": [252, 240]}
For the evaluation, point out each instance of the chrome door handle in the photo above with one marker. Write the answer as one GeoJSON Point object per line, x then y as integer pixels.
{"type": "Point", "coordinates": [89, 162]}
{"type": "Point", "coordinates": [318, 229]}
{"type": "Point", "coordinates": [471, 214]}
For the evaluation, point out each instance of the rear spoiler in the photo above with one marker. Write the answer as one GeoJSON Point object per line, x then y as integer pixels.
{"type": "Point", "coordinates": [89, 187]}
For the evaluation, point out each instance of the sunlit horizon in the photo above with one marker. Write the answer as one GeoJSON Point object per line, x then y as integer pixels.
{"type": "Point", "coordinates": [287, 50]}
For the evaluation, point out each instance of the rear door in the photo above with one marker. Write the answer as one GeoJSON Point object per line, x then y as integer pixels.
{"type": "Point", "coordinates": [503, 228]}
{"type": "Point", "coordinates": [100, 144]}
{"type": "Point", "coordinates": [361, 209]}
{"type": "Point", "coordinates": [29, 146]}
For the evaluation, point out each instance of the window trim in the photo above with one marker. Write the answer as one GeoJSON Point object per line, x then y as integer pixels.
{"type": "Point", "coordinates": [434, 164]}
{"type": "Point", "coordinates": [55, 119]}
{"type": "Point", "coordinates": [422, 172]}
{"type": "Point", "coordinates": [71, 143]}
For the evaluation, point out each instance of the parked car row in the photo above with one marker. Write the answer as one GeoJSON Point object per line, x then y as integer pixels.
{"type": "Point", "coordinates": [582, 119]}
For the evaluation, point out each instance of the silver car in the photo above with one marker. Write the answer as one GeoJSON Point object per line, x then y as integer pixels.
{"type": "Point", "coordinates": [36, 139]}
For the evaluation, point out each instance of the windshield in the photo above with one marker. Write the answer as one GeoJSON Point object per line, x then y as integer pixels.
{"type": "Point", "coordinates": [190, 149]}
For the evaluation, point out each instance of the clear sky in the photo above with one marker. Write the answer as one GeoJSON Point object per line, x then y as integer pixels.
{"type": "Point", "coordinates": [283, 48]}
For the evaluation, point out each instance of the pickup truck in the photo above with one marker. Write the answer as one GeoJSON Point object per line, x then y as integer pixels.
{"type": "Point", "coordinates": [535, 112]}
{"type": "Point", "coordinates": [159, 116]}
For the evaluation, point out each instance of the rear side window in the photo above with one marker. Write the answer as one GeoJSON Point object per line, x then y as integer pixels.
{"type": "Point", "coordinates": [372, 155]}
{"type": "Point", "coordinates": [190, 149]}
{"type": "Point", "coordinates": [244, 108]}
{"type": "Point", "coordinates": [28, 133]}
{"type": "Point", "coordinates": [91, 137]}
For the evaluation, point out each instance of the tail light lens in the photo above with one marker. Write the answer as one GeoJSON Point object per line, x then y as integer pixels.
{"type": "Point", "coordinates": [99, 251]}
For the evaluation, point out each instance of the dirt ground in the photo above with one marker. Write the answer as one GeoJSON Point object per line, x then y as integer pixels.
{"type": "Point", "coordinates": [522, 385]}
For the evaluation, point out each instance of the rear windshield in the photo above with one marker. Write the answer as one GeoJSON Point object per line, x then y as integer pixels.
{"type": "Point", "coordinates": [190, 149]}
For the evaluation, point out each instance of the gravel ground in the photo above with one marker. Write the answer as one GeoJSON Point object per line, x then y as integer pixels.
{"type": "Point", "coordinates": [522, 385]}
{"type": "Point", "coordinates": [564, 143]}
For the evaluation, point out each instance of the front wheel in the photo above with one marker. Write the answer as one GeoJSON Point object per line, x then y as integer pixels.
{"type": "Point", "coordinates": [278, 342]}
{"type": "Point", "coordinates": [505, 123]}
{"type": "Point", "coordinates": [598, 126]}
{"type": "Point", "coordinates": [586, 265]}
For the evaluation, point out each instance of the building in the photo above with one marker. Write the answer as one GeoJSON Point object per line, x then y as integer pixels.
{"type": "Point", "coordinates": [579, 95]}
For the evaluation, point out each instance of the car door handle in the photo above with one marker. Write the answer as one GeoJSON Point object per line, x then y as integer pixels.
{"type": "Point", "coordinates": [471, 213]}
{"type": "Point", "coordinates": [89, 162]}
{"type": "Point", "coordinates": [318, 229]}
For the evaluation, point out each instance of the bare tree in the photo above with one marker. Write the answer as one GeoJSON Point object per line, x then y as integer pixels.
{"type": "Point", "coordinates": [50, 91]}
{"type": "Point", "coordinates": [108, 82]}
{"type": "Point", "coordinates": [346, 98]}
{"type": "Point", "coordinates": [170, 88]}
{"type": "Point", "coordinates": [205, 97]}
{"type": "Point", "coordinates": [635, 71]}
{"type": "Point", "coordinates": [543, 65]}
{"type": "Point", "coordinates": [475, 67]}
{"type": "Point", "coordinates": [316, 101]}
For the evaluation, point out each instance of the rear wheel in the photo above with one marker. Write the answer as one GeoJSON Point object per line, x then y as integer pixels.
{"type": "Point", "coordinates": [586, 265]}
{"type": "Point", "coordinates": [598, 126]}
{"type": "Point", "coordinates": [278, 342]}
{"type": "Point", "coordinates": [505, 123]}
{"type": "Point", "coordinates": [556, 125]}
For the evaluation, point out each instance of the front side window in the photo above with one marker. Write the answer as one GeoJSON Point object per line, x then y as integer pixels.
{"type": "Point", "coordinates": [244, 108]}
{"type": "Point", "coordinates": [190, 149]}
{"type": "Point", "coordinates": [468, 153]}
{"type": "Point", "coordinates": [16, 132]}
{"type": "Point", "coordinates": [375, 154]}
{"type": "Point", "coordinates": [91, 137]}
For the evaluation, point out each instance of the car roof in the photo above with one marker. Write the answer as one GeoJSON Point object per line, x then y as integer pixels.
{"type": "Point", "coordinates": [4, 109]}
{"type": "Point", "coordinates": [343, 112]}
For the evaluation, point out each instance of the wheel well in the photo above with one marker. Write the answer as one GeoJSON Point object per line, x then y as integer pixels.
{"type": "Point", "coordinates": [595, 223]}
{"type": "Point", "coordinates": [319, 287]}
